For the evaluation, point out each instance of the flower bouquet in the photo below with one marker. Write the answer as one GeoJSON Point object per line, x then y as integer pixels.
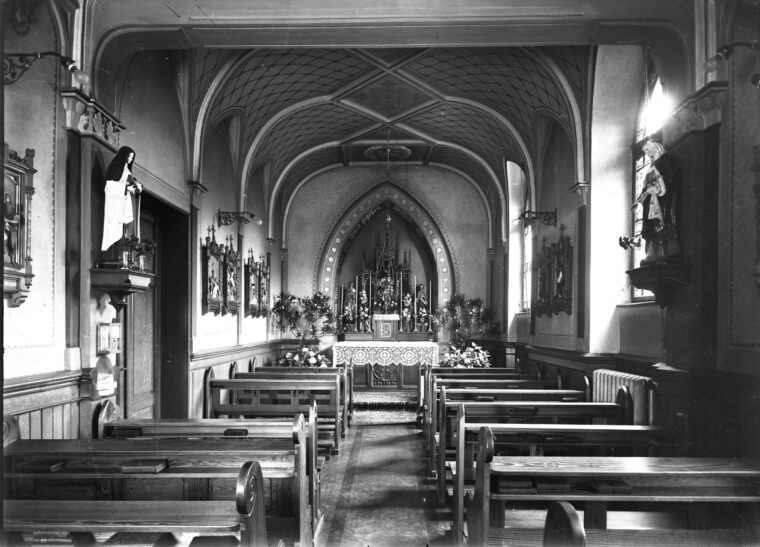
{"type": "Point", "coordinates": [304, 357]}
{"type": "Point", "coordinates": [468, 356]}
{"type": "Point", "coordinates": [304, 317]}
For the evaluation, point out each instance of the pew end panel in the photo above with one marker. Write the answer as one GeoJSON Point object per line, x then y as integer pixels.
{"type": "Point", "coordinates": [66, 521]}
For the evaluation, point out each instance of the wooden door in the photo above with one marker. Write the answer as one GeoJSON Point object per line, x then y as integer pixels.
{"type": "Point", "coordinates": [141, 375]}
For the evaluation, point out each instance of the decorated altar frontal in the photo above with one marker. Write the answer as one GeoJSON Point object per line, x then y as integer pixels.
{"type": "Point", "coordinates": [377, 364]}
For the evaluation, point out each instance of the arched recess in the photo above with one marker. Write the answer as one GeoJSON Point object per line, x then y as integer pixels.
{"type": "Point", "coordinates": [360, 212]}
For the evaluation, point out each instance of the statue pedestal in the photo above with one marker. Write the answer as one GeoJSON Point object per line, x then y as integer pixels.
{"type": "Point", "coordinates": [385, 326]}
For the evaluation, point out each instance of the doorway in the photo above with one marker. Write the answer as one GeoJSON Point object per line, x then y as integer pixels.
{"type": "Point", "coordinates": [157, 319]}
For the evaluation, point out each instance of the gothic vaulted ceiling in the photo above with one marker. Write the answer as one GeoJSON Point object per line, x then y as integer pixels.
{"type": "Point", "coordinates": [468, 109]}
{"type": "Point", "coordinates": [463, 85]}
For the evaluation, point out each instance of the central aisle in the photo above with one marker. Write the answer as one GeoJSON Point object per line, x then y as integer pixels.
{"type": "Point", "coordinates": [375, 492]}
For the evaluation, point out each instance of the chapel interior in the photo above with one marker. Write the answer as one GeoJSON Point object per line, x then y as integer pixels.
{"type": "Point", "coordinates": [382, 162]}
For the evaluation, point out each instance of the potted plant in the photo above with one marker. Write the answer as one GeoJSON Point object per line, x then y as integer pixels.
{"type": "Point", "coordinates": [464, 319]}
{"type": "Point", "coordinates": [308, 317]}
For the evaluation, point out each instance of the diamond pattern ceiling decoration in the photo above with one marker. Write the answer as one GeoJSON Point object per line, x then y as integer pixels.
{"type": "Point", "coordinates": [308, 128]}
{"type": "Point", "coordinates": [307, 166]}
{"type": "Point", "coordinates": [270, 80]}
{"type": "Point", "coordinates": [471, 129]}
{"type": "Point", "coordinates": [388, 96]}
{"type": "Point", "coordinates": [462, 162]}
{"type": "Point", "coordinates": [408, 97]}
{"type": "Point", "coordinates": [508, 80]}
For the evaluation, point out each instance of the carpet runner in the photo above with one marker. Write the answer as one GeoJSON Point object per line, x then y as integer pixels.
{"type": "Point", "coordinates": [376, 493]}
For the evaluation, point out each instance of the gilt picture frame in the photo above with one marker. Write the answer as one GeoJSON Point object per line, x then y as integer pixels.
{"type": "Point", "coordinates": [212, 275]}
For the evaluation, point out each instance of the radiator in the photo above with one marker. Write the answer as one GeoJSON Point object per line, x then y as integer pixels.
{"type": "Point", "coordinates": [605, 386]}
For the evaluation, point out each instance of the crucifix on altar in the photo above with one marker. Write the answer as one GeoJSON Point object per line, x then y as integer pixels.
{"type": "Point", "coordinates": [386, 301]}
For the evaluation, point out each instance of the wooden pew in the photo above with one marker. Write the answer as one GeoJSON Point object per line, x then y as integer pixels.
{"type": "Point", "coordinates": [428, 372]}
{"type": "Point", "coordinates": [563, 527]}
{"type": "Point", "coordinates": [250, 430]}
{"type": "Point", "coordinates": [155, 469]}
{"type": "Point", "coordinates": [347, 377]}
{"type": "Point", "coordinates": [597, 481]}
{"type": "Point", "coordinates": [520, 412]}
{"type": "Point", "coordinates": [479, 380]}
{"type": "Point", "coordinates": [279, 397]}
{"type": "Point", "coordinates": [344, 379]}
{"type": "Point", "coordinates": [532, 437]}
{"type": "Point", "coordinates": [45, 520]}
{"type": "Point", "coordinates": [487, 395]}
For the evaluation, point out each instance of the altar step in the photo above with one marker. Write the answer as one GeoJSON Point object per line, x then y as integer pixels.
{"type": "Point", "coordinates": [385, 400]}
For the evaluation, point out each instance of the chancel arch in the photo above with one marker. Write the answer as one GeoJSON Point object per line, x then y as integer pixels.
{"type": "Point", "coordinates": [384, 197]}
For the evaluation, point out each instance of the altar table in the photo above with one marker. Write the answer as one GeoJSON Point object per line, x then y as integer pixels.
{"type": "Point", "coordinates": [380, 365]}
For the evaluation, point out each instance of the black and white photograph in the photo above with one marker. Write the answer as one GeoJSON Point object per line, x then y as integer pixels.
{"type": "Point", "coordinates": [434, 273]}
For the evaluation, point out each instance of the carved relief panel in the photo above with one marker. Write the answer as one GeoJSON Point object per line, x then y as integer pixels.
{"type": "Point", "coordinates": [18, 188]}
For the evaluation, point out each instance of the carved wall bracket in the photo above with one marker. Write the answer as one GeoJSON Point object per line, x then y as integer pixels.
{"type": "Point", "coordinates": [119, 284]}
{"type": "Point", "coordinates": [663, 279]}
{"type": "Point", "coordinates": [88, 117]}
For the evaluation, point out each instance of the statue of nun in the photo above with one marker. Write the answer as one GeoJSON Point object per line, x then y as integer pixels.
{"type": "Point", "coordinates": [119, 187]}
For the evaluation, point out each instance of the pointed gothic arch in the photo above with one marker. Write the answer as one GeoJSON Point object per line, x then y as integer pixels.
{"type": "Point", "coordinates": [360, 212]}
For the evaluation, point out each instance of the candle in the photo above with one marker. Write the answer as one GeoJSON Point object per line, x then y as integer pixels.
{"type": "Point", "coordinates": [415, 295]}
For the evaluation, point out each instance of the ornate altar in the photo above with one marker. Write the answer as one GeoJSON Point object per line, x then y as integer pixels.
{"type": "Point", "coordinates": [385, 302]}
{"type": "Point", "coordinates": [385, 365]}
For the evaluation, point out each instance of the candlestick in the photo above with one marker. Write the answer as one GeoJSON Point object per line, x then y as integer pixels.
{"type": "Point", "coordinates": [415, 296]}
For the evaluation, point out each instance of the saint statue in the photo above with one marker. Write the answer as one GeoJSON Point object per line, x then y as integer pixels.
{"type": "Point", "coordinates": [364, 325]}
{"type": "Point", "coordinates": [657, 199]}
{"type": "Point", "coordinates": [349, 309]}
{"type": "Point", "coordinates": [118, 203]}
{"type": "Point", "coordinates": [10, 237]}
{"type": "Point", "coordinates": [422, 308]}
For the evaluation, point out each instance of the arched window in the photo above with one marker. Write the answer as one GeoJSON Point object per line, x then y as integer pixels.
{"type": "Point", "coordinates": [655, 107]}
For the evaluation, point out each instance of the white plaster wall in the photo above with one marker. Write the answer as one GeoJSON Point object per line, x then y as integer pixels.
{"type": "Point", "coordinates": [617, 91]}
{"type": "Point", "coordinates": [255, 238]}
{"type": "Point", "coordinates": [149, 108]}
{"type": "Point", "coordinates": [558, 329]}
{"type": "Point", "coordinates": [216, 331]}
{"type": "Point", "coordinates": [34, 332]}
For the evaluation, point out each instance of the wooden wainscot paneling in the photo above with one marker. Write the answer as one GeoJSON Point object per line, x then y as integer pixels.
{"type": "Point", "coordinates": [718, 413]}
{"type": "Point", "coordinates": [219, 361]}
{"type": "Point", "coordinates": [47, 405]}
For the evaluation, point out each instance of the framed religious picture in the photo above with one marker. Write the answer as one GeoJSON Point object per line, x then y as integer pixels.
{"type": "Point", "coordinates": [263, 278]}
{"type": "Point", "coordinates": [212, 264]}
{"type": "Point", "coordinates": [18, 189]}
{"type": "Point", "coordinates": [231, 283]}
{"type": "Point", "coordinates": [251, 296]}
{"type": "Point", "coordinates": [256, 286]}
{"type": "Point", "coordinates": [562, 300]}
